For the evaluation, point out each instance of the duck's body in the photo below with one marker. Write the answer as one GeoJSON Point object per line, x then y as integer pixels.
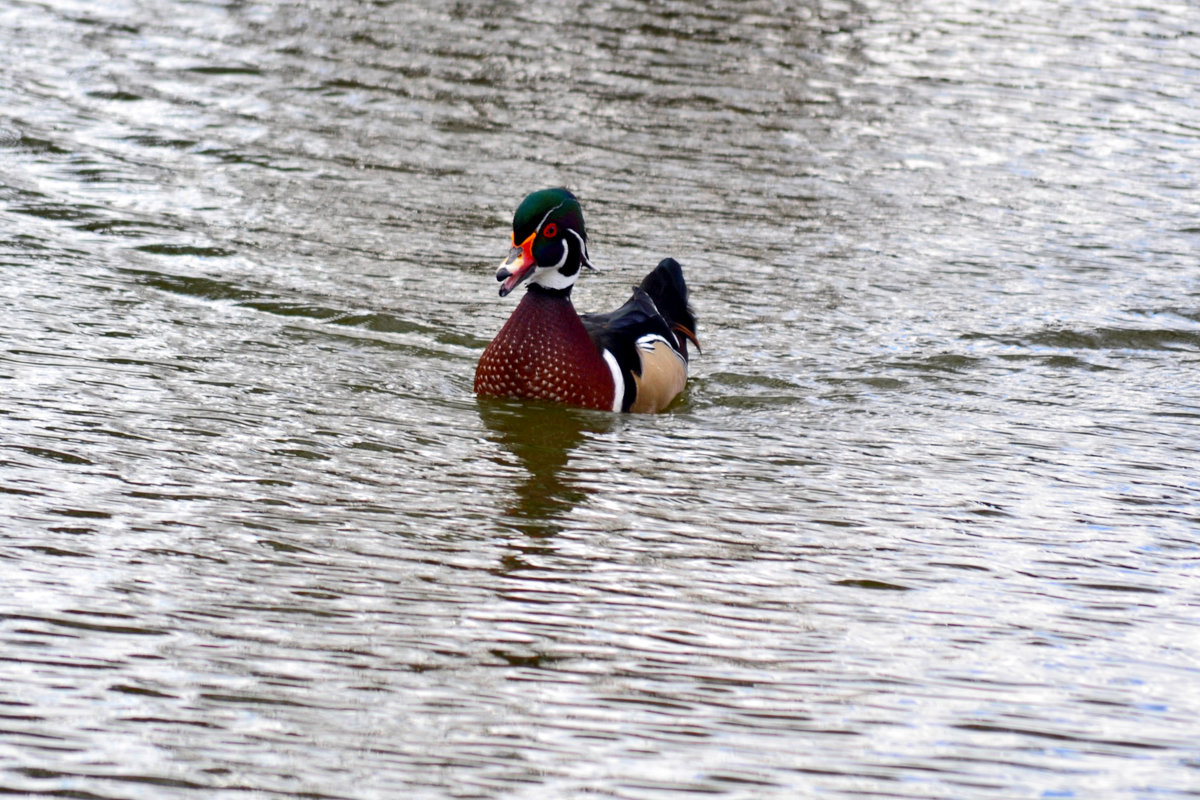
{"type": "Point", "coordinates": [631, 359]}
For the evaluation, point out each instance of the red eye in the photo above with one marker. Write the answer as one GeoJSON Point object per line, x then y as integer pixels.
{"type": "Point", "coordinates": [550, 231]}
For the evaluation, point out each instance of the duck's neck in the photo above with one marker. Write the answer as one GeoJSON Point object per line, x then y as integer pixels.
{"type": "Point", "coordinates": [546, 318]}
{"type": "Point", "coordinates": [537, 288]}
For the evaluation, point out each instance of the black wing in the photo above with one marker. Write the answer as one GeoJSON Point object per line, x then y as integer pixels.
{"type": "Point", "coordinates": [657, 307]}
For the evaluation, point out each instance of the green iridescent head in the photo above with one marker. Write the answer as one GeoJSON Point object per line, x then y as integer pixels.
{"type": "Point", "coordinates": [549, 243]}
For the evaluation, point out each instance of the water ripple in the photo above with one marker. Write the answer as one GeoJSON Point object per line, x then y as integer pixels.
{"type": "Point", "coordinates": [923, 523]}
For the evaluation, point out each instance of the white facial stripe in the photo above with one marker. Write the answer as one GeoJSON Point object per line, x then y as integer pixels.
{"type": "Point", "coordinates": [548, 213]}
{"type": "Point", "coordinates": [582, 247]}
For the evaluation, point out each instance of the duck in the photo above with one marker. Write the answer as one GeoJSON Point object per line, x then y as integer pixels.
{"type": "Point", "coordinates": [633, 359]}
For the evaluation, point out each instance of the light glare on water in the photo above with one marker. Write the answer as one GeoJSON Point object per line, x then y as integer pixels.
{"type": "Point", "coordinates": [922, 525]}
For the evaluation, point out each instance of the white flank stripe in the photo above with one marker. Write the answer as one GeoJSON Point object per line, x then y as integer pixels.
{"type": "Point", "coordinates": [618, 381]}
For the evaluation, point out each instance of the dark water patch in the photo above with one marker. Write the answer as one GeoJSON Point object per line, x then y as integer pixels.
{"type": "Point", "coordinates": [130, 228]}
{"type": "Point", "coordinates": [1124, 587]}
{"type": "Point", "coordinates": [307, 310]}
{"type": "Point", "coordinates": [115, 95]}
{"type": "Point", "coordinates": [61, 552]}
{"type": "Point", "coordinates": [871, 583]}
{"type": "Point", "coordinates": [218, 290]}
{"type": "Point", "coordinates": [953, 363]}
{"type": "Point", "coordinates": [18, 491]}
{"type": "Point", "coordinates": [225, 70]}
{"type": "Point", "coordinates": [867, 383]}
{"type": "Point", "coordinates": [1063, 736]}
{"type": "Point", "coordinates": [50, 210]}
{"type": "Point", "coordinates": [267, 161]}
{"type": "Point", "coordinates": [171, 143]}
{"type": "Point", "coordinates": [34, 144]}
{"type": "Point", "coordinates": [125, 435]}
{"type": "Point", "coordinates": [203, 288]}
{"type": "Point", "coordinates": [81, 513]}
{"type": "Point", "coordinates": [1074, 362]}
{"type": "Point", "coordinates": [56, 455]}
{"type": "Point", "coordinates": [744, 389]}
{"type": "Point", "coordinates": [283, 547]}
{"type": "Point", "coordinates": [75, 623]}
{"type": "Point", "coordinates": [47, 774]}
{"type": "Point", "coordinates": [374, 321]}
{"type": "Point", "coordinates": [198, 251]}
{"type": "Point", "coordinates": [1116, 339]}
{"type": "Point", "coordinates": [140, 691]}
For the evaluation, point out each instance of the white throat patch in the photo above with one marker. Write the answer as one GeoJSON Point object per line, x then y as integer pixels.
{"type": "Point", "coordinates": [550, 277]}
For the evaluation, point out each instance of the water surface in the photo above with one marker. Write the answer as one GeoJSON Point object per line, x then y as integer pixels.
{"type": "Point", "coordinates": [923, 525]}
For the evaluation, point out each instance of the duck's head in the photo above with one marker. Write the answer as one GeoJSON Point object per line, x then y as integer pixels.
{"type": "Point", "coordinates": [549, 243]}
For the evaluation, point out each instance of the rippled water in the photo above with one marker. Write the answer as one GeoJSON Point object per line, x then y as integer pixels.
{"type": "Point", "coordinates": [924, 525]}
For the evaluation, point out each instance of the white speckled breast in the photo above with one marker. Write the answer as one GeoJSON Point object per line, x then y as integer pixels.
{"type": "Point", "coordinates": [544, 353]}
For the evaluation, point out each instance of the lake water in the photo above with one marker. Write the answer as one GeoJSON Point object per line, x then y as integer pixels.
{"type": "Point", "coordinates": [926, 523]}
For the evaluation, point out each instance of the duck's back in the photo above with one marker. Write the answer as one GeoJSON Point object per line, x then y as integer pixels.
{"type": "Point", "coordinates": [647, 338]}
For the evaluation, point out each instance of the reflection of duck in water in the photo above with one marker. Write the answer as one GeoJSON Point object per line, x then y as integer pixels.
{"type": "Point", "coordinates": [542, 438]}
{"type": "Point", "coordinates": [631, 359]}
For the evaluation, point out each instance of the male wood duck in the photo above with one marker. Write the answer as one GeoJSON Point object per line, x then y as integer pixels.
{"type": "Point", "coordinates": [631, 359]}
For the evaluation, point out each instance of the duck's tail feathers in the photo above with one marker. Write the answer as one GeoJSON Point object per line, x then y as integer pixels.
{"type": "Point", "coordinates": [667, 289]}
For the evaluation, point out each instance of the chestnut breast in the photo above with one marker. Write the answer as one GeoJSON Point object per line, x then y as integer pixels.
{"type": "Point", "coordinates": [543, 352]}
